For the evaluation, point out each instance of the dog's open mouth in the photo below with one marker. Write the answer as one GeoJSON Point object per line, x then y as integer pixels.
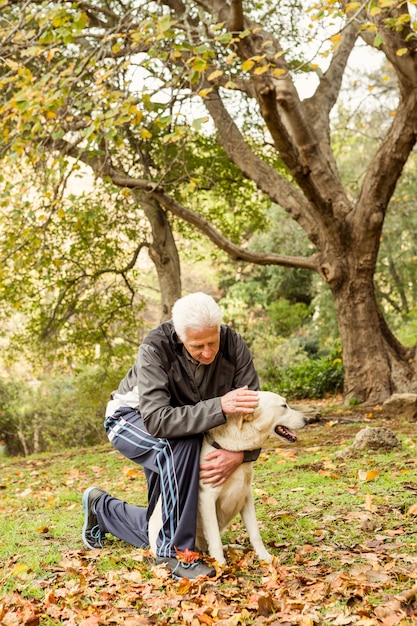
{"type": "Point", "coordinates": [287, 434]}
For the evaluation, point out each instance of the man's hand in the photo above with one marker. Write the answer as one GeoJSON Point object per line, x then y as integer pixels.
{"type": "Point", "coordinates": [242, 400]}
{"type": "Point", "coordinates": [220, 465]}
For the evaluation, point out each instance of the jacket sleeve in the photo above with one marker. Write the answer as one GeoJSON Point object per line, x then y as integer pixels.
{"type": "Point", "coordinates": [159, 417]}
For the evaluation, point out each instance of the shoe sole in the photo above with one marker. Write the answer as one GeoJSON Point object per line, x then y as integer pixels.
{"type": "Point", "coordinates": [175, 576]}
{"type": "Point", "coordinates": [85, 508]}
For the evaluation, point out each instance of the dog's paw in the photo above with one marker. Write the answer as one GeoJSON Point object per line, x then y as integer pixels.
{"type": "Point", "coordinates": [220, 559]}
{"type": "Point", "coordinates": [265, 556]}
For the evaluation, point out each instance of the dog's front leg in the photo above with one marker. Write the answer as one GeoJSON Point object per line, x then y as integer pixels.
{"type": "Point", "coordinates": [209, 522]}
{"type": "Point", "coordinates": [248, 514]}
{"type": "Point", "coordinates": [155, 525]}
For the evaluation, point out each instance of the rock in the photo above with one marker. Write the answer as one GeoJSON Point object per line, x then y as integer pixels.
{"type": "Point", "coordinates": [372, 438]}
{"type": "Point", "coordinates": [376, 438]}
{"type": "Point", "coordinates": [401, 405]}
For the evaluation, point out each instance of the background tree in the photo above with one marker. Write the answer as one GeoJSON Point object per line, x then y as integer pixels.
{"type": "Point", "coordinates": [74, 85]}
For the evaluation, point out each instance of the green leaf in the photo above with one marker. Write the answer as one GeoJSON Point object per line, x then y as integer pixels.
{"type": "Point", "coordinates": [198, 122]}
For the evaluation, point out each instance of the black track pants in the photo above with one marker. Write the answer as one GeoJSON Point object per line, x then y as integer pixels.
{"type": "Point", "coordinates": [172, 473]}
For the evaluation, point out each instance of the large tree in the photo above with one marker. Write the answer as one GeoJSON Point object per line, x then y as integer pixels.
{"type": "Point", "coordinates": [75, 84]}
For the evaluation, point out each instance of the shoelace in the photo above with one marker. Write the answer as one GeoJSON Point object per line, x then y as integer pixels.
{"type": "Point", "coordinates": [95, 534]}
{"type": "Point", "coordinates": [186, 565]}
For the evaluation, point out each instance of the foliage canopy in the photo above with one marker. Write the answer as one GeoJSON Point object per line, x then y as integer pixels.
{"type": "Point", "coordinates": [119, 86]}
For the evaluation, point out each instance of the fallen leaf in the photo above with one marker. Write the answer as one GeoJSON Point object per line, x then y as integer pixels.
{"type": "Point", "coordinates": [367, 476]}
{"type": "Point", "coordinates": [369, 506]}
{"type": "Point", "coordinates": [412, 510]}
{"type": "Point", "coordinates": [187, 556]}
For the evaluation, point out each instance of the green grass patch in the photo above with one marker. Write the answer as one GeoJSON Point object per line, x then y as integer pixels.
{"type": "Point", "coordinates": [342, 531]}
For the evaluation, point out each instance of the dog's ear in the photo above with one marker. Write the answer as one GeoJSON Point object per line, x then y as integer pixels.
{"type": "Point", "coordinates": [241, 418]}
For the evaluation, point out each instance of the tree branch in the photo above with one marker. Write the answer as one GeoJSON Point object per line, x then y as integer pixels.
{"type": "Point", "coordinates": [279, 189]}
{"type": "Point", "coordinates": [325, 97]}
{"type": "Point", "coordinates": [386, 167]}
{"type": "Point", "coordinates": [236, 18]}
{"type": "Point", "coordinates": [235, 252]}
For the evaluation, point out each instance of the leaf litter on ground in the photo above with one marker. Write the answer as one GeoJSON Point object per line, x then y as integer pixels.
{"type": "Point", "coordinates": [343, 534]}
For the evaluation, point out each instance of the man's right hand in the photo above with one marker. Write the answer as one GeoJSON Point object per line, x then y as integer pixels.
{"type": "Point", "coordinates": [242, 400]}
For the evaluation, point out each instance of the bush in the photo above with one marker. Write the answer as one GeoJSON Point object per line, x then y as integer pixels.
{"type": "Point", "coordinates": [311, 379]}
{"type": "Point", "coordinates": [59, 412]}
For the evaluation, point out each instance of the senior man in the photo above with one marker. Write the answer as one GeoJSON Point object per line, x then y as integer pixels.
{"type": "Point", "coordinates": [189, 374]}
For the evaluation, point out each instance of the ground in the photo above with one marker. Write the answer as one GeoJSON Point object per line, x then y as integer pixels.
{"type": "Point", "coordinates": [344, 422]}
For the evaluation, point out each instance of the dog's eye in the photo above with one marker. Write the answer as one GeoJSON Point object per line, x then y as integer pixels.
{"type": "Point", "coordinates": [285, 405]}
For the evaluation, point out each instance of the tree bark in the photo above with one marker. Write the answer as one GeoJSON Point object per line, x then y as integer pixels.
{"type": "Point", "coordinates": [162, 249]}
{"type": "Point", "coordinates": [375, 363]}
{"type": "Point", "coordinates": [163, 252]}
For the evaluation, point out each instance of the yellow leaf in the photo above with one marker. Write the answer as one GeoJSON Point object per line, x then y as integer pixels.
{"type": "Point", "coordinates": [21, 570]}
{"type": "Point", "coordinates": [401, 52]}
{"type": "Point", "coordinates": [278, 72]}
{"type": "Point", "coordinates": [368, 26]}
{"type": "Point", "coordinates": [42, 529]}
{"type": "Point", "coordinates": [367, 476]}
{"type": "Point", "coordinates": [145, 133]}
{"type": "Point", "coordinates": [336, 38]}
{"type": "Point", "coordinates": [204, 92]}
{"type": "Point", "coordinates": [247, 65]}
{"type": "Point", "coordinates": [198, 64]}
{"type": "Point", "coordinates": [412, 510]}
{"type": "Point", "coordinates": [261, 70]}
{"type": "Point", "coordinates": [133, 110]}
{"type": "Point", "coordinates": [131, 472]}
{"type": "Point", "coordinates": [352, 6]}
{"type": "Point", "coordinates": [215, 74]}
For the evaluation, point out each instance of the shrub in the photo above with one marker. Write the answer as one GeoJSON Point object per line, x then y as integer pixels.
{"type": "Point", "coordinates": [58, 412]}
{"type": "Point", "coordinates": [309, 379]}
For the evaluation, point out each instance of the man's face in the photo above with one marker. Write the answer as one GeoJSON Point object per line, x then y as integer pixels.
{"type": "Point", "coordinates": [203, 345]}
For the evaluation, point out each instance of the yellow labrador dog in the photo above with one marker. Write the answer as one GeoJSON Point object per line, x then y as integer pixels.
{"type": "Point", "coordinates": [219, 505]}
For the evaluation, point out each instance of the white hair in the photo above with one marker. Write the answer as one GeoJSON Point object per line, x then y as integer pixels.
{"type": "Point", "coordinates": [197, 311]}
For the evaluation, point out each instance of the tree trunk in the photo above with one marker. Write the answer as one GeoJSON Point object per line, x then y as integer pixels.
{"type": "Point", "coordinates": [36, 434]}
{"type": "Point", "coordinates": [22, 439]}
{"type": "Point", "coordinates": [164, 254]}
{"type": "Point", "coordinates": [376, 364]}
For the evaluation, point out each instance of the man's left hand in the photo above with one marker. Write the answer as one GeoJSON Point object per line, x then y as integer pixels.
{"type": "Point", "coordinates": [220, 464]}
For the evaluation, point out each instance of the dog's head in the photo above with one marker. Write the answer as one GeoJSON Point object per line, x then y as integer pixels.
{"type": "Point", "coordinates": [274, 415]}
{"type": "Point", "coordinates": [249, 431]}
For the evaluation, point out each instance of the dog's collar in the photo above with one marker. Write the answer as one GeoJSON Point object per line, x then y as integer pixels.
{"type": "Point", "coordinates": [211, 441]}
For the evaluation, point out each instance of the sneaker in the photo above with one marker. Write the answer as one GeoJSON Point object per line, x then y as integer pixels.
{"type": "Point", "coordinates": [179, 569]}
{"type": "Point", "coordinates": [92, 535]}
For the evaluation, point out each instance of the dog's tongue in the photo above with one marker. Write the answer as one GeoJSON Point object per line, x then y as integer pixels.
{"type": "Point", "coordinates": [282, 431]}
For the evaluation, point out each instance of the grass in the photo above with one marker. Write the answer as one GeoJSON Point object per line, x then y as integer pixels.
{"type": "Point", "coordinates": [344, 529]}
